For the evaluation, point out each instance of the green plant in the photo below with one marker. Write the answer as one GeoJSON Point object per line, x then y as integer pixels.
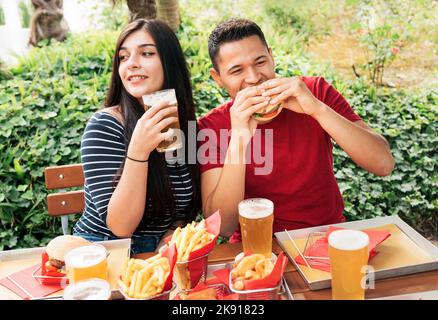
{"type": "Point", "coordinates": [2, 16]}
{"type": "Point", "coordinates": [383, 28]}
{"type": "Point", "coordinates": [43, 112]}
{"type": "Point", "coordinates": [111, 17]}
{"type": "Point", "coordinates": [289, 18]}
{"type": "Point", "coordinates": [25, 13]}
{"type": "Point", "coordinates": [409, 123]}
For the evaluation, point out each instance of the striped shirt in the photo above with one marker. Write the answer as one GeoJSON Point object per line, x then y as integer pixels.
{"type": "Point", "coordinates": [102, 152]}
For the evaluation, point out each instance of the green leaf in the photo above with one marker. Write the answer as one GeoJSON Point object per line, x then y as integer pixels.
{"type": "Point", "coordinates": [18, 169]}
{"type": "Point", "coordinates": [28, 195]}
{"type": "Point", "coordinates": [22, 187]}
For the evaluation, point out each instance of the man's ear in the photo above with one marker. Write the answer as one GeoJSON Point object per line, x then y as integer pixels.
{"type": "Point", "coordinates": [216, 77]}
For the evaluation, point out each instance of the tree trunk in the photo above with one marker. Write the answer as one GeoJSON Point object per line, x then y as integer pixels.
{"type": "Point", "coordinates": [168, 11]}
{"type": "Point", "coordinates": [165, 10]}
{"type": "Point", "coordinates": [145, 9]}
{"type": "Point", "coordinates": [48, 21]}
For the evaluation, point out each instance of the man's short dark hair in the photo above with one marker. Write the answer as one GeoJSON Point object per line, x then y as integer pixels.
{"type": "Point", "coordinates": [229, 31]}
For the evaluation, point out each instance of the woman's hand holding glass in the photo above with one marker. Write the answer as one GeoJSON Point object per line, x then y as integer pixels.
{"type": "Point", "coordinates": [148, 130]}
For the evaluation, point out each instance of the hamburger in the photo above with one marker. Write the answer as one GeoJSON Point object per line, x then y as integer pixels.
{"type": "Point", "coordinates": [267, 113]}
{"type": "Point", "coordinates": [57, 249]}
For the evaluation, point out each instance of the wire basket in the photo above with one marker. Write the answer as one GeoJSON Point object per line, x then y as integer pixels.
{"type": "Point", "coordinates": [161, 296]}
{"type": "Point", "coordinates": [181, 273]}
{"type": "Point", "coordinates": [313, 243]}
{"type": "Point", "coordinates": [257, 294]}
{"type": "Point", "coordinates": [50, 280]}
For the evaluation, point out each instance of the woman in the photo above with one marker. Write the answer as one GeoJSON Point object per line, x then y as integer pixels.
{"type": "Point", "coordinates": [131, 191]}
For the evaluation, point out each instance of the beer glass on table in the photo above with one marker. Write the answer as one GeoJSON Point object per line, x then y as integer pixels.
{"type": "Point", "coordinates": [87, 262]}
{"type": "Point", "coordinates": [91, 289]}
{"type": "Point", "coordinates": [175, 141]}
{"type": "Point", "coordinates": [256, 217]}
{"type": "Point", "coordinates": [348, 252]}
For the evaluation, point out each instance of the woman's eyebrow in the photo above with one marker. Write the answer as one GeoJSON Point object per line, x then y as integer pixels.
{"type": "Point", "coordinates": [140, 46]}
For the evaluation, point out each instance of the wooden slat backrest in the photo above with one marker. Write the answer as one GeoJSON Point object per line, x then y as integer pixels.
{"type": "Point", "coordinates": [63, 203]}
{"type": "Point", "coordinates": [61, 177]}
{"type": "Point", "coordinates": [67, 176]}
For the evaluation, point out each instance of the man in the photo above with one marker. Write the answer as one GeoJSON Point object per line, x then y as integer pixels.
{"type": "Point", "coordinates": [301, 183]}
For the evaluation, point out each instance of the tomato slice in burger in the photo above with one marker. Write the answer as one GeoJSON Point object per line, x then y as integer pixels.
{"type": "Point", "coordinates": [270, 114]}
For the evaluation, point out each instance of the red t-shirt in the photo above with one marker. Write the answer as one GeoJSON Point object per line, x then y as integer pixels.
{"type": "Point", "coordinates": [302, 183]}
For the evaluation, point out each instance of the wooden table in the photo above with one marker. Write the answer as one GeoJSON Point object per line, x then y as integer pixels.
{"type": "Point", "coordinates": [418, 282]}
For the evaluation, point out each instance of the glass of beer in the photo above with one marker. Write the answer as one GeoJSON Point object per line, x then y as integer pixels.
{"type": "Point", "coordinates": [175, 142]}
{"type": "Point", "coordinates": [256, 217]}
{"type": "Point", "coordinates": [348, 252]}
{"type": "Point", "coordinates": [91, 289]}
{"type": "Point", "coordinates": [87, 262]}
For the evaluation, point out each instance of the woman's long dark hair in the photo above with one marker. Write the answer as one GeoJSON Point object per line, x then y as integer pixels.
{"type": "Point", "coordinates": [177, 76]}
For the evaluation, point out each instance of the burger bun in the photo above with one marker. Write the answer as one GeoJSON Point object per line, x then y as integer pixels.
{"type": "Point", "coordinates": [58, 247]}
{"type": "Point", "coordinates": [268, 113]}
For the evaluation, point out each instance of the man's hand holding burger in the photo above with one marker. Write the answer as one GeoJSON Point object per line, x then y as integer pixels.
{"type": "Point", "coordinates": [293, 94]}
{"type": "Point", "coordinates": [247, 102]}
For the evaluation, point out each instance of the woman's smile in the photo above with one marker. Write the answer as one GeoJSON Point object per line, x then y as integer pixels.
{"type": "Point", "coordinates": [136, 79]}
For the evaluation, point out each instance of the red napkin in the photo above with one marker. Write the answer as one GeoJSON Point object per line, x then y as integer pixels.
{"type": "Point", "coordinates": [271, 280]}
{"type": "Point", "coordinates": [26, 286]}
{"type": "Point", "coordinates": [223, 276]}
{"type": "Point", "coordinates": [320, 248]}
{"type": "Point", "coordinates": [197, 267]}
{"type": "Point", "coordinates": [171, 254]}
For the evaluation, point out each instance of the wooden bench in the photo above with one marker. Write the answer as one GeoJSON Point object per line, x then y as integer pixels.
{"type": "Point", "coordinates": [64, 202]}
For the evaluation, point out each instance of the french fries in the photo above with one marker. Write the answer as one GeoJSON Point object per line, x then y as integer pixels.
{"type": "Point", "coordinates": [252, 267]}
{"type": "Point", "coordinates": [142, 279]}
{"type": "Point", "coordinates": [188, 239]}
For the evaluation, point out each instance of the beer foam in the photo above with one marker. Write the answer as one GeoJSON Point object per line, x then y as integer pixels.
{"type": "Point", "coordinates": [93, 289]}
{"type": "Point", "coordinates": [256, 208]}
{"type": "Point", "coordinates": [163, 95]}
{"type": "Point", "coordinates": [86, 256]}
{"type": "Point", "coordinates": [348, 239]}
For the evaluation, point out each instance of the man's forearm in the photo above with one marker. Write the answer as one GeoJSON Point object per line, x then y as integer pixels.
{"type": "Point", "coordinates": [366, 148]}
{"type": "Point", "coordinates": [230, 189]}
